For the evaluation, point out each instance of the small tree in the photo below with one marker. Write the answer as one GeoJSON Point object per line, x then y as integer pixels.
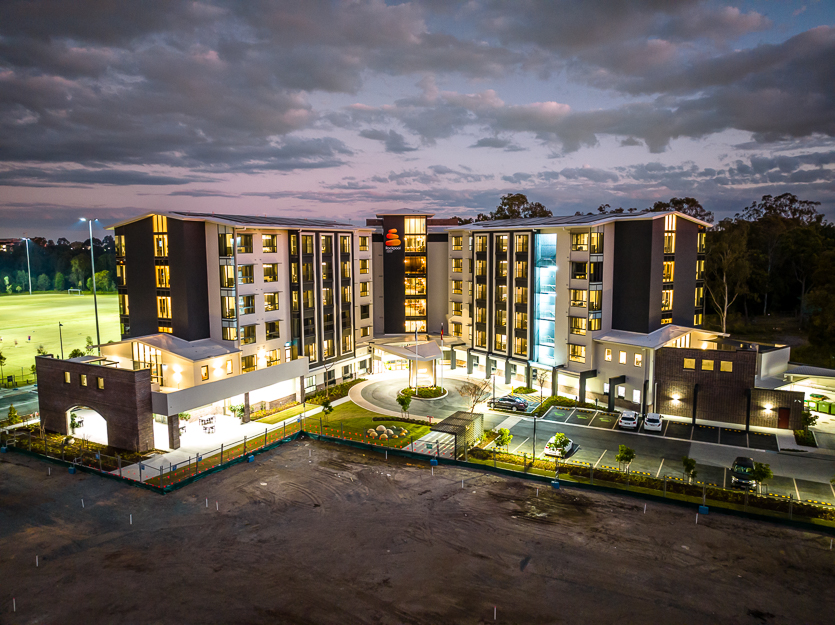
{"type": "Point", "coordinates": [2, 362]}
{"type": "Point", "coordinates": [44, 283]}
{"type": "Point", "coordinates": [327, 408]}
{"type": "Point", "coordinates": [761, 473]}
{"type": "Point", "coordinates": [504, 438]}
{"type": "Point", "coordinates": [474, 392]}
{"type": "Point", "coordinates": [404, 401]}
{"type": "Point", "coordinates": [73, 422]}
{"type": "Point", "coordinates": [808, 419]}
{"type": "Point", "coordinates": [59, 281]}
{"type": "Point", "coordinates": [689, 468]}
{"type": "Point", "coordinates": [41, 350]}
{"type": "Point", "coordinates": [77, 353]}
{"type": "Point", "coordinates": [89, 346]}
{"type": "Point", "coordinates": [13, 416]}
{"type": "Point", "coordinates": [541, 379]}
{"type": "Point", "coordinates": [238, 411]}
{"type": "Point", "coordinates": [625, 456]}
{"type": "Point", "coordinates": [184, 416]}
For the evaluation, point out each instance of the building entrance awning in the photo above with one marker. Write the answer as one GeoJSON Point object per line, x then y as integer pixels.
{"type": "Point", "coordinates": [421, 352]}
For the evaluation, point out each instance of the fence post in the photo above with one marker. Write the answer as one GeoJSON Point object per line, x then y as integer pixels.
{"type": "Point", "coordinates": [221, 453]}
{"type": "Point", "coordinates": [285, 429]}
{"type": "Point", "coordinates": [119, 462]}
{"type": "Point", "coordinates": [704, 494]}
{"type": "Point", "coordinates": [99, 454]}
{"type": "Point", "coordinates": [196, 464]}
{"type": "Point", "coordinates": [791, 505]}
{"type": "Point", "coordinates": [494, 457]}
{"type": "Point", "coordinates": [341, 430]}
{"type": "Point", "coordinates": [244, 445]}
{"type": "Point", "coordinates": [591, 473]}
{"type": "Point", "coordinates": [160, 475]}
{"type": "Point", "coordinates": [665, 486]}
{"type": "Point", "coordinates": [745, 506]}
{"type": "Point", "coordinates": [30, 440]}
{"type": "Point", "coordinates": [321, 429]}
{"type": "Point", "coordinates": [265, 438]}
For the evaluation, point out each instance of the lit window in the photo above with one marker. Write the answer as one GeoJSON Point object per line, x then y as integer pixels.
{"type": "Point", "coordinates": [520, 346]}
{"type": "Point", "coordinates": [521, 295]}
{"type": "Point", "coordinates": [501, 243]}
{"type": "Point", "coordinates": [577, 353]}
{"type": "Point", "coordinates": [268, 243]}
{"type": "Point", "coordinates": [67, 377]}
{"type": "Point", "coordinates": [364, 265]}
{"type": "Point", "coordinates": [501, 317]}
{"type": "Point", "coordinates": [578, 298]}
{"type": "Point", "coordinates": [244, 244]}
{"type": "Point", "coordinates": [164, 307]}
{"type": "Point", "coordinates": [229, 333]}
{"type": "Point", "coordinates": [701, 248]}
{"type": "Point", "coordinates": [667, 300]}
{"type": "Point", "coordinates": [121, 275]}
{"type": "Point", "coordinates": [415, 307]}
{"type": "Point", "coordinates": [363, 244]}
{"type": "Point", "coordinates": [595, 323]}
{"type": "Point", "coordinates": [457, 265]}
{"type": "Point", "coordinates": [457, 308]}
{"type": "Point", "coordinates": [481, 338]}
{"type": "Point", "coordinates": [327, 245]}
{"type": "Point", "coordinates": [726, 366]}
{"type": "Point", "coordinates": [577, 325]}
{"type": "Point", "coordinates": [697, 319]}
{"type": "Point", "coordinates": [457, 287]}
{"type": "Point", "coordinates": [345, 244]}
{"type": "Point", "coordinates": [271, 272]}
{"type": "Point", "coordinates": [307, 244]}
{"type": "Point", "coordinates": [669, 223]}
{"type": "Point", "coordinates": [596, 243]}
{"type": "Point", "coordinates": [457, 243]}
{"type": "Point", "coordinates": [669, 242]}
{"type": "Point", "coordinates": [165, 329]}
{"type": "Point", "coordinates": [622, 358]}
{"type": "Point", "coordinates": [669, 270]}
{"type": "Point", "coordinates": [346, 294]}
{"type": "Point", "coordinates": [700, 270]}
{"type": "Point", "coordinates": [124, 309]}
{"type": "Point", "coordinates": [120, 245]}
{"type": "Point", "coordinates": [416, 325]}
{"type": "Point", "coordinates": [246, 304]}
{"type": "Point", "coordinates": [415, 286]}
{"type": "Point", "coordinates": [327, 297]}
{"type": "Point", "coordinates": [160, 223]}
{"type": "Point", "coordinates": [248, 335]}
{"type": "Point", "coordinates": [481, 244]}
{"type": "Point", "coordinates": [227, 307]}
{"type": "Point", "coordinates": [347, 343]}
{"type": "Point", "coordinates": [707, 365]}
{"type": "Point", "coordinates": [580, 242]}
{"type": "Point", "coordinates": [689, 363]}
{"type": "Point", "coordinates": [608, 356]}
{"type": "Point", "coordinates": [245, 274]}
{"type": "Point", "coordinates": [501, 342]}
{"type": "Point", "coordinates": [204, 373]}
{"type": "Point", "coordinates": [636, 396]}
{"type": "Point", "coordinates": [480, 291]}
{"type": "Point", "coordinates": [414, 225]}
{"type": "Point", "coordinates": [248, 363]}
{"type": "Point", "coordinates": [273, 358]}
{"type": "Point", "coordinates": [163, 276]}
{"type": "Point", "coordinates": [595, 299]}
{"type": "Point", "coordinates": [83, 379]}
{"type": "Point", "coordinates": [521, 269]}
{"type": "Point", "coordinates": [579, 271]}
{"type": "Point", "coordinates": [270, 302]}
{"type": "Point", "coordinates": [521, 242]}
{"type": "Point", "coordinates": [273, 330]}
{"type": "Point", "coordinates": [665, 319]}
{"type": "Point", "coordinates": [227, 276]}
{"type": "Point", "coordinates": [481, 315]}
{"type": "Point", "coordinates": [501, 293]}
{"type": "Point", "coordinates": [501, 270]}
{"type": "Point", "coordinates": [365, 289]}
{"type": "Point", "coordinates": [638, 360]}
{"type": "Point", "coordinates": [520, 320]}
{"type": "Point", "coordinates": [415, 242]}
{"type": "Point", "coordinates": [481, 267]}
{"type": "Point", "coordinates": [346, 269]}
{"type": "Point", "coordinates": [456, 328]}
{"type": "Point", "coordinates": [700, 296]}
{"type": "Point", "coordinates": [228, 367]}
{"type": "Point", "coordinates": [160, 245]}
{"type": "Point", "coordinates": [365, 331]}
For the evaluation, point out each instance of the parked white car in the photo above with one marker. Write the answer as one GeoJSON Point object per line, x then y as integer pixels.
{"type": "Point", "coordinates": [560, 446]}
{"type": "Point", "coordinates": [653, 422]}
{"type": "Point", "coordinates": [628, 420]}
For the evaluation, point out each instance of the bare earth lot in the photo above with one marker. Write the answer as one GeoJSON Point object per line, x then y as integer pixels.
{"type": "Point", "coordinates": [338, 537]}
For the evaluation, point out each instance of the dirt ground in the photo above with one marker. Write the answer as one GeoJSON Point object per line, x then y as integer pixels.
{"type": "Point", "coordinates": [319, 533]}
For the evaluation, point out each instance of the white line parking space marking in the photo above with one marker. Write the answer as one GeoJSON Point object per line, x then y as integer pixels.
{"type": "Point", "coordinates": [509, 422]}
{"type": "Point", "coordinates": [570, 414]}
{"type": "Point", "coordinates": [522, 443]}
{"type": "Point", "coordinates": [833, 488]}
{"type": "Point", "coordinates": [657, 473]}
{"type": "Point", "coordinates": [796, 489]}
{"type": "Point", "coordinates": [665, 428]}
{"type": "Point", "coordinates": [600, 458]}
{"type": "Point", "coordinates": [593, 417]}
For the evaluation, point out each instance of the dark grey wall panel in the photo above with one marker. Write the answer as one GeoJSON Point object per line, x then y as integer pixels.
{"type": "Point", "coordinates": [634, 246]}
{"type": "Point", "coordinates": [684, 294]}
{"type": "Point", "coordinates": [189, 282]}
{"type": "Point", "coordinates": [142, 286]}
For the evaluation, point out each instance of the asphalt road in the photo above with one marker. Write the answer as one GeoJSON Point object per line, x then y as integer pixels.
{"type": "Point", "coordinates": [25, 400]}
{"type": "Point", "coordinates": [656, 455]}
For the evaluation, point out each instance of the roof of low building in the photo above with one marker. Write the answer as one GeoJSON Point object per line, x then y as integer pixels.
{"type": "Point", "coordinates": [407, 212]}
{"type": "Point", "coordinates": [421, 352]}
{"type": "Point", "coordinates": [190, 350]}
{"type": "Point", "coordinates": [248, 221]}
{"type": "Point", "coordinates": [811, 372]}
{"type": "Point", "coordinates": [594, 219]}
{"type": "Point", "coordinates": [653, 340]}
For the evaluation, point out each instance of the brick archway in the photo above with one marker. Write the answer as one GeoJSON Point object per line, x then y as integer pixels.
{"type": "Point", "coordinates": [121, 396]}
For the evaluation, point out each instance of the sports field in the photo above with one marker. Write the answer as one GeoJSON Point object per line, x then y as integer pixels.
{"type": "Point", "coordinates": [37, 316]}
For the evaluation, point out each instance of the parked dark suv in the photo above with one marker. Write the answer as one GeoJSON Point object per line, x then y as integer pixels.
{"type": "Point", "coordinates": [742, 473]}
{"type": "Point", "coordinates": [509, 403]}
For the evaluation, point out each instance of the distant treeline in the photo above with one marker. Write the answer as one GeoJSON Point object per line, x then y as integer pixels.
{"type": "Point", "coordinates": [58, 266]}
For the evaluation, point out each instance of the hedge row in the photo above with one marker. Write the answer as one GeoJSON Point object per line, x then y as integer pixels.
{"type": "Point", "coordinates": [338, 391]}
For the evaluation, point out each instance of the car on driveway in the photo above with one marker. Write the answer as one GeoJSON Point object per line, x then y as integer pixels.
{"type": "Point", "coordinates": [742, 473]}
{"type": "Point", "coordinates": [628, 420]}
{"type": "Point", "coordinates": [516, 404]}
{"type": "Point", "coordinates": [560, 446]}
{"type": "Point", "coordinates": [653, 422]}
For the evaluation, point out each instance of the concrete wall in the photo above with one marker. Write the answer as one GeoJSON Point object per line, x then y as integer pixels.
{"type": "Point", "coordinates": [124, 402]}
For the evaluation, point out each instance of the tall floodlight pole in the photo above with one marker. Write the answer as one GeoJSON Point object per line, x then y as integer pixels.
{"type": "Point", "coordinates": [28, 266]}
{"type": "Point", "coordinates": [93, 268]}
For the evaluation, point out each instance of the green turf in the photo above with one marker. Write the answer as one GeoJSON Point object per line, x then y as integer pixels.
{"type": "Point", "coordinates": [355, 421]}
{"type": "Point", "coordinates": [38, 316]}
{"type": "Point", "coordinates": [277, 417]}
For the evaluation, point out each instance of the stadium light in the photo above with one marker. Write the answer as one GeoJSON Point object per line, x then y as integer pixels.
{"type": "Point", "coordinates": [28, 266]}
{"type": "Point", "coordinates": [93, 267]}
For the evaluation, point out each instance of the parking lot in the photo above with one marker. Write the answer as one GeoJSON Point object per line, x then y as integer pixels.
{"type": "Point", "coordinates": [660, 453]}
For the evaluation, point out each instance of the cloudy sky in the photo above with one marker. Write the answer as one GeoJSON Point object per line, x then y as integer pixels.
{"type": "Point", "coordinates": [109, 109]}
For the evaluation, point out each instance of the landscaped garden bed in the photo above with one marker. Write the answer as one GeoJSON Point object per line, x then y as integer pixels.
{"type": "Point", "coordinates": [338, 391]}
{"type": "Point", "coordinates": [425, 392]}
{"type": "Point", "coordinates": [563, 402]}
{"type": "Point", "coordinates": [805, 438]}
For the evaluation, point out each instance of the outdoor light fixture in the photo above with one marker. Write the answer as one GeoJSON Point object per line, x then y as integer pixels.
{"type": "Point", "coordinates": [676, 398]}
{"type": "Point", "coordinates": [768, 407]}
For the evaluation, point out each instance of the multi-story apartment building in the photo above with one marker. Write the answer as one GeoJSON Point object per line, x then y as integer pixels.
{"type": "Point", "coordinates": [204, 298]}
{"type": "Point", "coordinates": [583, 301]}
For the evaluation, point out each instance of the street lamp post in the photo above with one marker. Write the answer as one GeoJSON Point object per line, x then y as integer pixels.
{"type": "Point", "coordinates": [61, 339]}
{"type": "Point", "coordinates": [93, 268]}
{"type": "Point", "coordinates": [28, 266]}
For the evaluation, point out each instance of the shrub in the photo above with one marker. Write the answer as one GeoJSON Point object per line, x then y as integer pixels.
{"type": "Point", "coordinates": [427, 392]}
{"type": "Point", "coordinates": [804, 437]}
{"type": "Point", "coordinates": [479, 454]}
{"type": "Point", "coordinates": [565, 402]}
{"type": "Point", "coordinates": [400, 420]}
{"type": "Point", "coordinates": [335, 392]}
{"type": "Point", "coordinates": [524, 390]}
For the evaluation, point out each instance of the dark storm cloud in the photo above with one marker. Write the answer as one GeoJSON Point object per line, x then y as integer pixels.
{"type": "Point", "coordinates": [35, 177]}
{"type": "Point", "coordinates": [394, 141]}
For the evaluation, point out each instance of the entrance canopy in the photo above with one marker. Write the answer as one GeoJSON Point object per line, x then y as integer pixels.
{"type": "Point", "coordinates": [421, 352]}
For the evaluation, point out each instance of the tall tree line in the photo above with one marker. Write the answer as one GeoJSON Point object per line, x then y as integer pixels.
{"type": "Point", "coordinates": [58, 265]}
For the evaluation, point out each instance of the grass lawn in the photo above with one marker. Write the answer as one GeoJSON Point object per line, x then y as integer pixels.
{"type": "Point", "coordinates": [355, 421]}
{"type": "Point", "coordinates": [38, 315]}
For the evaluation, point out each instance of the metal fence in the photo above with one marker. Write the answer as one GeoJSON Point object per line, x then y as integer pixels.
{"type": "Point", "coordinates": [158, 476]}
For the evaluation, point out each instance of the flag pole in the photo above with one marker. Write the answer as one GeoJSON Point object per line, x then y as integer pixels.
{"type": "Point", "coordinates": [442, 355]}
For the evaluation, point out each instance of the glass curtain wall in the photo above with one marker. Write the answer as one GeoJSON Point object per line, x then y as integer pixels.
{"type": "Point", "coordinates": [545, 297]}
